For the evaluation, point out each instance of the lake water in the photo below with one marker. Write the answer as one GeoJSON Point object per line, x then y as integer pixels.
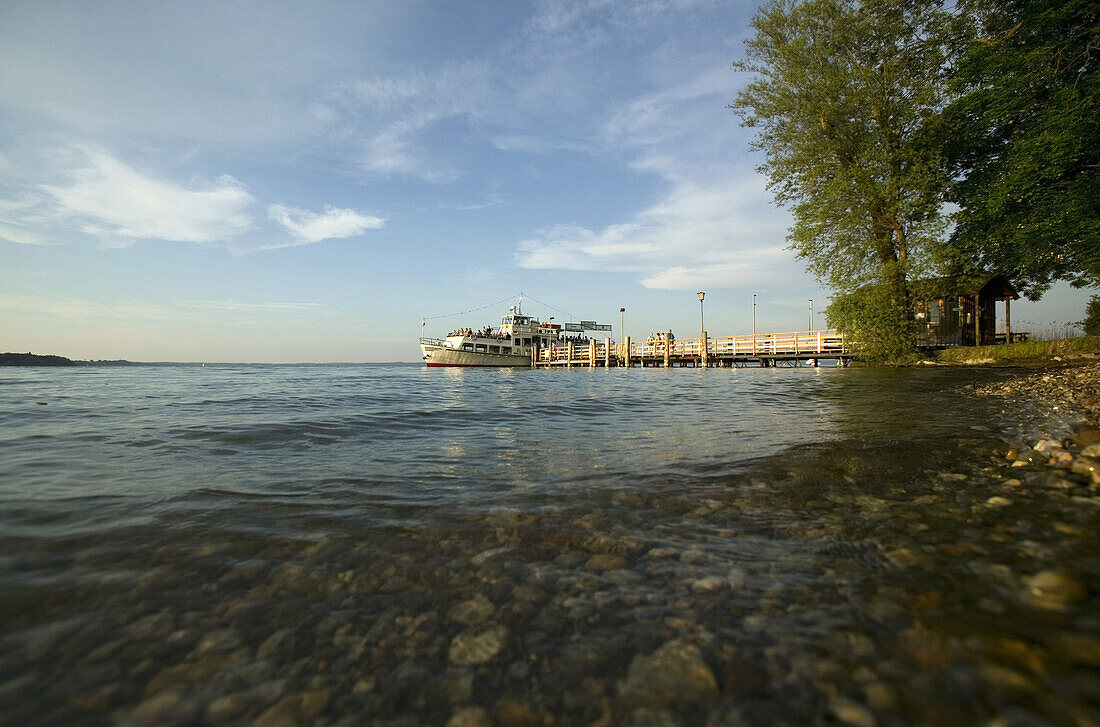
{"type": "Point", "coordinates": [286, 545]}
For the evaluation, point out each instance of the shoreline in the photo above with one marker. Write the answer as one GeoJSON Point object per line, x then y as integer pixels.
{"type": "Point", "coordinates": [1058, 447]}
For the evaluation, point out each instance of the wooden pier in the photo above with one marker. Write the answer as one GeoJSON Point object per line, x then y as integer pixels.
{"type": "Point", "coordinates": [799, 348]}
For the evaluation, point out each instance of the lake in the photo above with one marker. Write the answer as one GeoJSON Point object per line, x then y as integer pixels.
{"type": "Point", "coordinates": [397, 545]}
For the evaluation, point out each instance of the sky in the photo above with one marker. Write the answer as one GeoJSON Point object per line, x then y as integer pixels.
{"type": "Point", "coordinates": [313, 182]}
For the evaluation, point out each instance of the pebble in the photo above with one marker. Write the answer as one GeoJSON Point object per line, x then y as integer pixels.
{"type": "Point", "coordinates": [295, 710]}
{"type": "Point", "coordinates": [477, 648]}
{"type": "Point", "coordinates": [1087, 466]}
{"type": "Point", "coordinates": [473, 612]}
{"type": "Point", "coordinates": [1054, 590]}
{"type": "Point", "coordinates": [605, 562]}
{"type": "Point", "coordinates": [850, 712]}
{"type": "Point", "coordinates": [708, 584]}
{"type": "Point", "coordinates": [469, 717]}
{"type": "Point", "coordinates": [674, 674]}
{"type": "Point", "coordinates": [997, 501]}
{"type": "Point", "coordinates": [166, 709]}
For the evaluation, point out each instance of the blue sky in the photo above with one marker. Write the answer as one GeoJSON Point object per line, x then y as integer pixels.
{"type": "Point", "coordinates": [307, 181]}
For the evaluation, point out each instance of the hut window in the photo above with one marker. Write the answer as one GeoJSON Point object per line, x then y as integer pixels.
{"type": "Point", "coordinates": [935, 311]}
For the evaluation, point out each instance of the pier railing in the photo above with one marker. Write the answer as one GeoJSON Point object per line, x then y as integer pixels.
{"type": "Point", "coordinates": [824, 343]}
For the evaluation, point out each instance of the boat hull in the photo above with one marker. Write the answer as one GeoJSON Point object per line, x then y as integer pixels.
{"type": "Point", "coordinates": [443, 356]}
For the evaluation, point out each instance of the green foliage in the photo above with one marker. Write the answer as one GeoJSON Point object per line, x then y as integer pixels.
{"type": "Point", "coordinates": [1017, 354]}
{"type": "Point", "coordinates": [879, 330]}
{"type": "Point", "coordinates": [1023, 140]}
{"type": "Point", "coordinates": [1091, 324]}
{"type": "Point", "coordinates": [844, 104]}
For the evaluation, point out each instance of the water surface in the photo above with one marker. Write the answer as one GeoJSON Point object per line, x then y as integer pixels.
{"type": "Point", "coordinates": [399, 545]}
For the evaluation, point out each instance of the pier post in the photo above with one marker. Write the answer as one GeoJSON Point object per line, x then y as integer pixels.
{"type": "Point", "coordinates": [592, 353]}
{"type": "Point", "coordinates": [534, 356]}
{"type": "Point", "coordinates": [607, 353]}
{"type": "Point", "coordinates": [703, 351]}
{"type": "Point", "coordinates": [668, 347]}
{"type": "Point", "coordinates": [570, 355]}
{"type": "Point", "coordinates": [626, 351]}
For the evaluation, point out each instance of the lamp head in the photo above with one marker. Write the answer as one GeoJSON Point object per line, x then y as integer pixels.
{"type": "Point", "coordinates": [622, 310]}
{"type": "Point", "coordinates": [701, 294]}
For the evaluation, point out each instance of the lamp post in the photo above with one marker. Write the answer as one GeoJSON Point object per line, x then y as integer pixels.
{"type": "Point", "coordinates": [622, 333]}
{"type": "Point", "coordinates": [754, 324]}
{"type": "Point", "coordinates": [701, 326]}
{"type": "Point", "coordinates": [811, 314]}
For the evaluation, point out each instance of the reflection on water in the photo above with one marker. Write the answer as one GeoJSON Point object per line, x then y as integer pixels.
{"type": "Point", "coordinates": [397, 545]}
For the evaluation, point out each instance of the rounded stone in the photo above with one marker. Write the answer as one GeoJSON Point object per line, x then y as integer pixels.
{"type": "Point", "coordinates": [708, 584]}
{"type": "Point", "coordinates": [469, 717]}
{"type": "Point", "coordinates": [470, 648]}
{"type": "Point", "coordinates": [605, 562]}
{"type": "Point", "coordinates": [473, 612]}
{"type": "Point", "coordinates": [673, 674]}
{"type": "Point", "coordinates": [1054, 590]}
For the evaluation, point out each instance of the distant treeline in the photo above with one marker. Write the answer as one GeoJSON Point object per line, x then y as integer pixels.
{"type": "Point", "coordinates": [34, 359]}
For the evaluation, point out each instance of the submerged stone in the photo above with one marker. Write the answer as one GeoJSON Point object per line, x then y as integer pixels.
{"type": "Point", "coordinates": [673, 674]}
{"type": "Point", "coordinates": [470, 648]}
{"type": "Point", "coordinates": [1054, 590]}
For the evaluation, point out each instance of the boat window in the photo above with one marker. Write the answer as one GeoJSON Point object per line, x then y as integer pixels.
{"type": "Point", "coordinates": [527, 342]}
{"type": "Point", "coordinates": [494, 349]}
{"type": "Point", "coordinates": [517, 341]}
{"type": "Point", "coordinates": [480, 348]}
{"type": "Point", "coordinates": [467, 347]}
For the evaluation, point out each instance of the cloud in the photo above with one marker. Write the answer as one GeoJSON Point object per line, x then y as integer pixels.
{"type": "Point", "coordinates": [20, 235]}
{"type": "Point", "coordinates": [119, 205]}
{"type": "Point", "coordinates": [716, 234]}
{"type": "Point", "coordinates": [308, 227]}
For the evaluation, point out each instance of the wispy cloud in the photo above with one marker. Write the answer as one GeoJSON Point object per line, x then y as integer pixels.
{"type": "Point", "coordinates": [78, 308]}
{"type": "Point", "coordinates": [720, 234]}
{"type": "Point", "coordinates": [117, 204]}
{"type": "Point", "coordinates": [308, 227]}
{"type": "Point", "coordinates": [72, 308]}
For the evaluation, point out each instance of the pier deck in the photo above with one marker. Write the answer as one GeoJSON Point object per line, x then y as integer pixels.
{"type": "Point", "coordinates": [797, 348]}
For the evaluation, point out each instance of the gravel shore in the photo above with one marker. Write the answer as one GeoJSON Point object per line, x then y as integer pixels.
{"type": "Point", "coordinates": [1058, 412]}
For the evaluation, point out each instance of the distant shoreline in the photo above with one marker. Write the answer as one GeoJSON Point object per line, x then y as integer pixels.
{"type": "Point", "coordinates": [34, 359]}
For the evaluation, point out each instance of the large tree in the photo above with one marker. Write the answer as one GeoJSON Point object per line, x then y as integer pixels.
{"type": "Point", "coordinates": [1024, 139]}
{"type": "Point", "coordinates": [844, 102]}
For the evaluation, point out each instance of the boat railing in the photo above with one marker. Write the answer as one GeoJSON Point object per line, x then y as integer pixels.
{"type": "Point", "coordinates": [431, 341]}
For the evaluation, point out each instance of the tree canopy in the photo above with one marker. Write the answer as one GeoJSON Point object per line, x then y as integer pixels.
{"type": "Point", "coordinates": [1023, 140]}
{"type": "Point", "coordinates": [845, 103]}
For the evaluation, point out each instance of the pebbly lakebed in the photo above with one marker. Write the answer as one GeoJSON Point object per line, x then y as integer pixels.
{"type": "Point", "coordinates": [393, 545]}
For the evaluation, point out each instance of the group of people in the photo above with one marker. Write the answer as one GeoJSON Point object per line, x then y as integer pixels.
{"type": "Point", "coordinates": [660, 338]}
{"type": "Point", "coordinates": [486, 332]}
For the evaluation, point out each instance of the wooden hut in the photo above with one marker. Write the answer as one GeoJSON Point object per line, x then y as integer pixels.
{"type": "Point", "coordinates": [962, 311]}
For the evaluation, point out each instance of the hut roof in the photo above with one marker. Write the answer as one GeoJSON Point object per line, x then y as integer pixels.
{"type": "Point", "coordinates": [984, 284]}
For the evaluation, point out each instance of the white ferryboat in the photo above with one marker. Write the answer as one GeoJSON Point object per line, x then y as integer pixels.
{"type": "Point", "coordinates": [509, 344]}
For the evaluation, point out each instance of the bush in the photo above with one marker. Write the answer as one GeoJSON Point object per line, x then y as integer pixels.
{"type": "Point", "coordinates": [877, 330]}
{"type": "Point", "coordinates": [1091, 324]}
